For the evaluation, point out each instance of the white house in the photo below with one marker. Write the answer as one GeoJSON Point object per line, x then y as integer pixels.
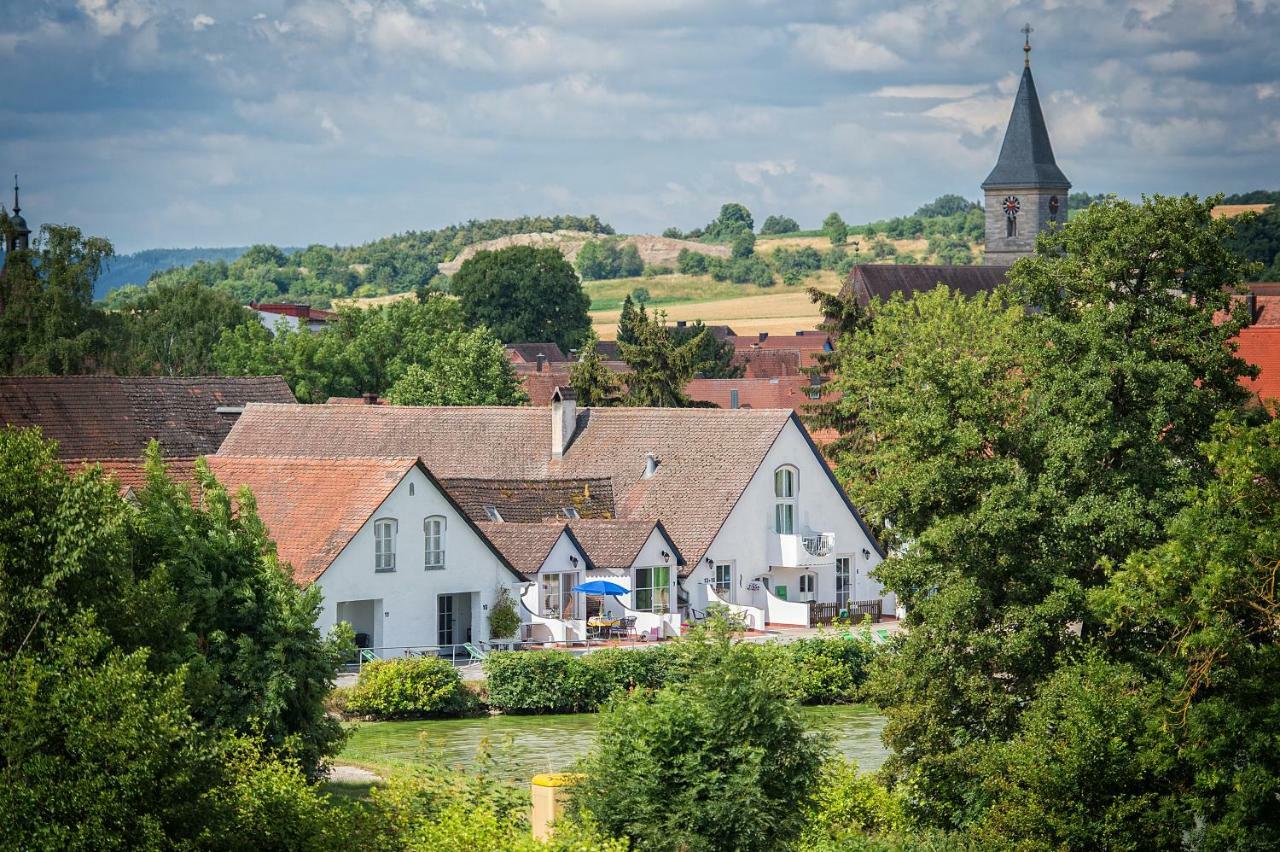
{"type": "Point", "coordinates": [753, 515]}
{"type": "Point", "coordinates": [391, 552]}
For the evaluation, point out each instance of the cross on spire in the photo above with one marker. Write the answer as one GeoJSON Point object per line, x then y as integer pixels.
{"type": "Point", "coordinates": [16, 208]}
{"type": "Point", "coordinates": [1026, 45]}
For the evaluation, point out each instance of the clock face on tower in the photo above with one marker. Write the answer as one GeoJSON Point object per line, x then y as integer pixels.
{"type": "Point", "coordinates": [1011, 206]}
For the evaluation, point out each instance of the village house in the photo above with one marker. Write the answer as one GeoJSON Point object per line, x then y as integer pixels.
{"type": "Point", "coordinates": [683, 507]}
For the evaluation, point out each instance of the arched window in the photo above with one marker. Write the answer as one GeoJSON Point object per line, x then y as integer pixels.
{"type": "Point", "coordinates": [433, 532]}
{"type": "Point", "coordinates": [785, 482]}
{"type": "Point", "coordinates": [384, 544]}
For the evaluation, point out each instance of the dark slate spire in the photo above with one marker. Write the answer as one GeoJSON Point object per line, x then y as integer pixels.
{"type": "Point", "coordinates": [1026, 157]}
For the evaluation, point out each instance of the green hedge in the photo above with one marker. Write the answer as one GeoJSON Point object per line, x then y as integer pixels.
{"type": "Point", "coordinates": [825, 670]}
{"type": "Point", "coordinates": [407, 687]}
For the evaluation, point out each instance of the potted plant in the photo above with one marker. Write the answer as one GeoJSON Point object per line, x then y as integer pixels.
{"type": "Point", "coordinates": [504, 619]}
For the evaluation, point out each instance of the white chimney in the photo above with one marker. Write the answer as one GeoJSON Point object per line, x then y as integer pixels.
{"type": "Point", "coordinates": [564, 420]}
{"type": "Point", "coordinates": [650, 465]}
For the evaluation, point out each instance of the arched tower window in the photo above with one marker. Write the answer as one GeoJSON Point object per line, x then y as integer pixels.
{"type": "Point", "coordinates": [785, 483]}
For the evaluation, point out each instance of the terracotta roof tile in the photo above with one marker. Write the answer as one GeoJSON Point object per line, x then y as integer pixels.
{"type": "Point", "coordinates": [1261, 346]}
{"type": "Point", "coordinates": [132, 473]}
{"type": "Point", "coordinates": [616, 544]}
{"type": "Point", "coordinates": [313, 507]}
{"type": "Point", "coordinates": [107, 417]}
{"type": "Point", "coordinates": [790, 392]}
{"type": "Point", "coordinates": [525, 501]}
{"type": "Point", "coordinates": [706, 456]}
{"type": "Point", "coordinates": [526, 546]}
{"type": "Point", "coordinates": [769, 363]}
{"type": "Point", "coordinates": [527, 353]}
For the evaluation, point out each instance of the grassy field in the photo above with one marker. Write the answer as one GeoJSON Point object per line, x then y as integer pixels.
{"type": "Point", "coordinates": [745, 307]}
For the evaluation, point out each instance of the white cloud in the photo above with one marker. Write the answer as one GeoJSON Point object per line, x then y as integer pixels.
{"type": "Point", "coordinates": [755, 173]}
{"type": "Point", "coordinates": [939, 91]}
{"type": "Point", "coordinates": [202, 22]}
{"type": "Point", "coordinates": [841, 48]}
{"type": "Point", "coordinates": [112, 16]}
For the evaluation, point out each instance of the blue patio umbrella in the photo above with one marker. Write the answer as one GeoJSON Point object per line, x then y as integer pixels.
{"type": "Point", "coordinates": [600, 587]}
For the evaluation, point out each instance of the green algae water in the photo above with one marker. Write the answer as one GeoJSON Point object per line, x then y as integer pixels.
{"type": "Point", "coordinates": [521, 746]}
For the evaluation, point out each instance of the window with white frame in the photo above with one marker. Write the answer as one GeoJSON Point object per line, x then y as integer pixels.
{"type": "Point", "coordinates": [558, 596]}
{"type": "Point", "coordinates": [808, 584]}
{"type": "Point", "coordinates": [384, 544]}
{"type": "Point", "coordinates": [784, 494]}
{"type": "Point", "coordinates": [842, 580]}
{"type": "Point", "coordinates": [433, 535]}
{"type": "Point", "coordinates": [652, 589]}
{"type": "Point", "coordinates": [724, 577]}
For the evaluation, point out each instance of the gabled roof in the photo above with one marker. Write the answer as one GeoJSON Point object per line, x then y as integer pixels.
{"type": "Point", "coordinates": [314, 507]}
{"type": "Point", "coordinates": [1026, 157]}
{"type": "Point", "coordinates": [616, 544]}
{"type": "Point", "coordinates": [706, 456]}
{"type": "Point", "coordinates": [869, 281]}
{"type": "Point", "coordinates": [527, 546]}
{"type": "Point", "coordinates": [1261, 346]}
{"type": "Point", "coordinates": [109, 417]}
{"type": "Point", "coordinates": [132, 473]}
{"type": "Point", "coordinates": [526, 501]}
{"type": "Point", "coordinates": [769, 363]}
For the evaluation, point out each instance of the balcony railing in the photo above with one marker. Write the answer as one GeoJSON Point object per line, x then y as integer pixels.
{"type": "Point", "coordinates": [821, 544]}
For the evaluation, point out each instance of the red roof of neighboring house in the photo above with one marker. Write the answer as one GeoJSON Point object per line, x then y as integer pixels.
{"type": "Point", "coordinates": [789, 392]}
{"type": "Point", "coordinates": [1261, 346]}
{"type": "Point", "coordinates": [132, 473]}
{"type": "Point", "coordinates": [289, 309]}
{"type": "Point", "coordinates": [527, 353]}
{"type": "Point", "coordinates": [809, 342]}
{"type": "Point", "coordinates": [110, 417]}
{"type": "Point", "coordinates": [768, 363]}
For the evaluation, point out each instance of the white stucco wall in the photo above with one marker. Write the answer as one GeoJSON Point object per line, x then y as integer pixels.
{"type": "Point", "coordinates": [748, 542]}
{"type": "Point", "coordinates": [407, 608]}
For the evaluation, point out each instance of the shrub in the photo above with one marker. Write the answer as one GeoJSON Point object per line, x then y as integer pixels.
{"type": "Point", "coordinates": [848, 805]}
{"type": "Point", "coordinates": [621, 670]}
{"type": "Point", "coordinates": [408, 687]}
{"type": "Point", "coordinates": [829, 669]}
{"type": "Point", "coordinates": [504, 620]}
{"type": "Point", "coordinates": [542, 682]}
{"type": "Point", "coordinates": [691, 262]}
{"type": "Point", "coordinates": [721, 761]}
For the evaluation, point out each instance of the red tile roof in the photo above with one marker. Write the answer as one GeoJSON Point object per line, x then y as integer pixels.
{"type": "Point", "coordinates": [313, 507]}
{"type": "Point", "coordinates": [108, 417]}
{"type": "Point", "coordinates": [615, 544]}
{"type": "Point", "coordinates": [527, 353]}
{"type": "Point", "coordinates": [526, 546]}
{"type": "Point", "coordinates": [132, 473]}
{"type": "Point", "coordinates": [808, 344]}
{"type": "Point", "coordinates": [1261, 346]}
{"type": "Point", "coordinates": [769, 363]}
{"type": "Point", "coordinates": [790, 392]}
{"type": "Point", "coordinates": [706, 456]}
{"type": "Point", "coordinates": [524, 501]}
{"type": "Point", "coordinates": [291, 310]}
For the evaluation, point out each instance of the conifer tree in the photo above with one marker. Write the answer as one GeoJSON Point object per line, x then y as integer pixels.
{"type": "Point", "coordinates": [661, 367]}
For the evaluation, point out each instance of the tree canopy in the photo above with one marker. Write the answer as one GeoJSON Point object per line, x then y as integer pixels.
{"type": "Point", "coordinates": [524, 295]}
{"type": "Point", "coordinates": [1017, 452]}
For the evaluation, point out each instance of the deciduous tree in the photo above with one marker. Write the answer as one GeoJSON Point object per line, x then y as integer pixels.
{"type": "Point", "coordinates": [524, 295]}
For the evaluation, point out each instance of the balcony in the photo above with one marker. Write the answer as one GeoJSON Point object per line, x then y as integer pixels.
{"type": "Point", "coordinates": [819, 544]}
{"type": "Point", "coordinates": [802, 551]}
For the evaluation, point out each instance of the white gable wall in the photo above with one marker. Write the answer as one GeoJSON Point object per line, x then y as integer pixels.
{"type": "Point", "coordinates": [747, 539]}
{"type": "Point", "coordinates": [406, 607]}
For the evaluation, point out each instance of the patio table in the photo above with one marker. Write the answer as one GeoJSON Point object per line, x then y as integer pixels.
{"type": "Point", "coordinates": [599, 623]}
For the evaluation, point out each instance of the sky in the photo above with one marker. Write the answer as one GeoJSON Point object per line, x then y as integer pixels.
{"type": "Point", "coordinates": [173, 123]}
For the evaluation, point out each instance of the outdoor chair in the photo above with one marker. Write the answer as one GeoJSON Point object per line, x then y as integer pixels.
{"type": "Point", "coordinates": [625, 627]}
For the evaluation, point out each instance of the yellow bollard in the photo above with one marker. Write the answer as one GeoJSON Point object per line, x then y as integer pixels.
{"type": "Point", "coordinates": [548, 793]}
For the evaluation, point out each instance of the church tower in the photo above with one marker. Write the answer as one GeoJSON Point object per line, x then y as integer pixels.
{"type": "Point", "coordinates": [20, 236]}
{"type": "Point", "coordinates": [1026, 192]}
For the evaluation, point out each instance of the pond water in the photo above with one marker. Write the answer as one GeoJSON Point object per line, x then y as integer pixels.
{"type": "Point", "coordinates": [522, 746]}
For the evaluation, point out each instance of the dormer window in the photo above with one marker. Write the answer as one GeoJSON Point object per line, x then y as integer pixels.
{"type": "Point", "coordinates": [492, 513]}
{"type": "Point", "coordinates": [785, 481]}
{"type": "Point", "coordinates": [384, 544]}
{"type": "Point", "coordinates": [433, 534]}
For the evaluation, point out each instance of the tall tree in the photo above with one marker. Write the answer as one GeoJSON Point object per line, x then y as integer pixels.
{"type": "Point", "coordinates": [1019, 449]}
{"type": "Point", "coordinates": [594, 383]}
{"type": "Point", "coordinates": [714, 357]}
{"type": "Point", "coordinates": [835, 229]}
{"type": "Point", "coordinates": [47, 320]}
{"type": "Point", "coordinates": [171, 329]}
{"type": "Point", "coordinates": [841, 318]}
{"type": "Point", "coordinates": [660, 367]}
{"type": "Point", "coordinates": [733, 220]}
{"type": "Point", "coordinates": [467, 368]}
{"type": "Point", "coordinates": [525, 295]}
{"type": "Point", "coordinates": [628, 320]}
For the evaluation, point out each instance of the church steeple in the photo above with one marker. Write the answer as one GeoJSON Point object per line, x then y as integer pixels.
{"type": "Point", "coordinates": [20, 235]}
{"type": "Point", "coordinates": [1026, 192]}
